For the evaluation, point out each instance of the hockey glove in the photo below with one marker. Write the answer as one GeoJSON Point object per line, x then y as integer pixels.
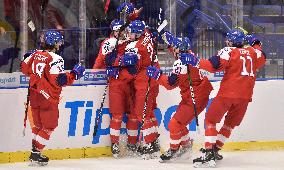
{"type": "Point", "coordinates": [215, 61]}
{"type": "Point", "coordinates": [110, 58]}
{"type": "Point", "coordinates": [125, 6]}
{"type": "Point", "coordinates": [153, 72]}
{"type": "Point", "coordinates": [78, 71]}
{"type": "Point", "coordinates": [168, 38]}
{"type": "Point", "coordinates": [112, 72]}
{"type": "Point", "coordinates": [189, 59]}
{"type": "Point", "coordinates": [129, 59]}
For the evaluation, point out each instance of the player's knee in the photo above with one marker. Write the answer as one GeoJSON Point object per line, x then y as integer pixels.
{"type": "Point", "coordinates": [36, 129]}
{"type": "Point", "coordinates": [48, 131]}
{"type": "Point", "coordinates": [210, 124]}
{"type": "Point", "coordinates": [117, 116]}
{"type": "Point", "coordinates": [209, 120]}
{"type": "Point", "coordinates": [230, 125]}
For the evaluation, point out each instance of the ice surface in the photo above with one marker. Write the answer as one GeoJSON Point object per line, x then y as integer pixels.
{"type": "Point", "coordinates": [232, 160]}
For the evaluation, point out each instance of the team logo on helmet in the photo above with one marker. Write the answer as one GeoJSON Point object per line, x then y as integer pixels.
{"type": "Point", "coordinates": [116, 24]}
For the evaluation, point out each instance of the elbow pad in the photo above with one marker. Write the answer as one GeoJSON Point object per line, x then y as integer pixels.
{"type": "Point", "coordinates": [172, 79]}
{"type": "Point", "coordinates": [215, 61]}
{"type": "Point", "coordinates": [61, 79]}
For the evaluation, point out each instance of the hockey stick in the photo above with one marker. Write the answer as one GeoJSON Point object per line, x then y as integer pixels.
{"type": "Point", "coordinates": [26, 111]}
{"type": "Point", "coordinates": [32, 27]}
{"type": "Point", "coordinates": [99, 115]}
{"type": "Point", "coordinates": [159, 29]}
{"type": "Point", "coordinates": [182, 18]}
{"type": "Point", "coordinates": [226, 25]}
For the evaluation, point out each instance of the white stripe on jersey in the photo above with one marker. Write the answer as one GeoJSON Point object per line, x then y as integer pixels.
{"type": "Point", "coordinates": [258, 53]}
{"type": "Point", "coordinates": [131, 48]}
{"type": "Point", "coordinates": [224, 53]}
{"type": "Point", "coordinates": [108, 45]}
{"type": "Point", "coordinates": [57, 64]}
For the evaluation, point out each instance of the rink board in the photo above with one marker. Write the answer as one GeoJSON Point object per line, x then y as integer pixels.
{"type": "Point", "coordinates": [261, 129]}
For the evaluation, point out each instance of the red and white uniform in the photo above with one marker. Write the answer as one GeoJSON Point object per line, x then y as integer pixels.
{"type": "Point", "coordinates": [120, 90]}
{"type": "Point", "coordinates": [43, 69]}
{"type": "Point", "coordinates": [144, 48]}
{"type": "Point", "coordinates": [236, 89]}
{"type": "Point", "coordinates": [179, 134]}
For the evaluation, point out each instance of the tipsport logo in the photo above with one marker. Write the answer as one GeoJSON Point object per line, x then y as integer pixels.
{"type": "Point", "coordinates": [90, 114]}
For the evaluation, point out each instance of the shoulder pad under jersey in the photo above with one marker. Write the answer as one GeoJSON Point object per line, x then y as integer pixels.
{"type": "Point", "coordinates": [179, 68]}
{"type": "Point", "coordinates": [131, 48]}
{"type": "Point", "coordinates": [57, 64]}
{"type": "Point", "coordinates": [108, 45]}
{"type": "Point", "coordinates": [224, 53]}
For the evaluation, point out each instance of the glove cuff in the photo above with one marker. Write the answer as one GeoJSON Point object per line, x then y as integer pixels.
{"type": "Point", "coordinates": [75, 73]}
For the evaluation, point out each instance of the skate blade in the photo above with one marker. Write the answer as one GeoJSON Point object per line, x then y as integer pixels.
{"type": "Point", "coordinates": [210, 164]}
{"type": "Point", "coordinates": [187, 155]}
{"type": "Point", "coordinates": [167, 161]}
{"type": "Point", "coordinates": [132, 154]}
{"type": "Point", "coordinates": [37, 164]}
{"type": "Point", "coordinates": [163, 161]}
{"type": "Point", "coordinates": [154, 155]}
{"type": "Point", "coordinates": [116, 156]}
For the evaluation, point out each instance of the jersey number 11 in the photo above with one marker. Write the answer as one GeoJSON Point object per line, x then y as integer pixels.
{"type": "Point", "coordinates": [245, 72]}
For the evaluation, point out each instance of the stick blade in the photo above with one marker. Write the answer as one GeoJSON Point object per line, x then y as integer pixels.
{"type": "Point", "coordinates": [162, 26]}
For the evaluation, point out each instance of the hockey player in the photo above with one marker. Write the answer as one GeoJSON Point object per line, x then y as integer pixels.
{"type": "Point", "coordinates": [47, 77]}
{"type": "Point", "coordinates": [180, 141]}
{"type": "Point", "coordinates": [120, 98]}
{"type": "Point", "coordinates": [120, 88]}
{"type": "Point", "coordinates": [235, 93]}
{"type": "Point", "coordinates": [139, 54]}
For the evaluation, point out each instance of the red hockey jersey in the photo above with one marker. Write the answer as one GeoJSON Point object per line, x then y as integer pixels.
{"type": "Point", "coordinates": [239, 66]}
{"type": "Point", "coordinates": [107, 46]}
{"type": "Point", "coordinates": [144, 49]}
{"type": "Point", "coordinates": [200, 84]}
{"type": "Point", "coordinates": [43, 68]}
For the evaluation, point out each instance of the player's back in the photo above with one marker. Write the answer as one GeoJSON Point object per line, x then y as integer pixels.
{"type": "Point", "coordinates": [43, 68]}
{"type": "Point", "coordinates": [240, 73]}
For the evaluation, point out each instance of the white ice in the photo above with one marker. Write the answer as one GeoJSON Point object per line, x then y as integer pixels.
{"type": "Point", "coordinates": [251, 160]}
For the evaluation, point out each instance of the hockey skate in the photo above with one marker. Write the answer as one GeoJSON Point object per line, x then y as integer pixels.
{"type": "Point", "coordinates": [168, 155]}
{"type": "Point", "coordinates": [132, 150]}
{"type": "Point", "coordinates": [207, 160]}
{"type": "Point", "coordinates": [37, 159]}
{"type": "Point", "coordinates": [150, 150]}
{"type": "Point", "coordinates": [115, 150]}
{"type": "Point", "coordinates": [217, 155]}
{"type": "Point", "coordinates": [185, 151]}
